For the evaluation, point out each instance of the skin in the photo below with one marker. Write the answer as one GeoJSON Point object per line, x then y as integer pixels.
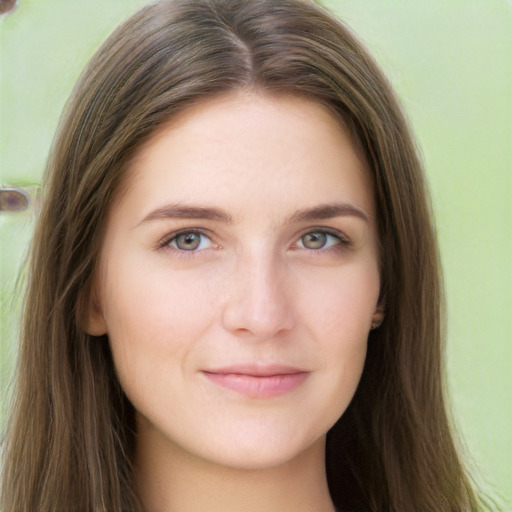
{"type": "Point", "coordinates": [254, 283]}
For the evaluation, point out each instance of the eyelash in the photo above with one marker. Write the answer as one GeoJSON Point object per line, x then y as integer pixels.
{"type": "Point", "coordinates": [344, 242]}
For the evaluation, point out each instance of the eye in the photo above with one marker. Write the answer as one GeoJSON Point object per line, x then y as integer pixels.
{"type": "Point", "coordinates": [189, 241]}
{"type": "Point", "coordinates": [321, 239]}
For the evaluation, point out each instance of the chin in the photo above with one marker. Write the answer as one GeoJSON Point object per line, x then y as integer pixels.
{"type": "Point", "coordinates": [256, 459]}
{"type": "Point", "coordinates": [263, 450]}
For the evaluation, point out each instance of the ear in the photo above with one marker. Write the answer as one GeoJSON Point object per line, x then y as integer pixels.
{"type": "Point", "coordinates": [90, 312]}
{"type": "Point", "coordinates": [378, 316]}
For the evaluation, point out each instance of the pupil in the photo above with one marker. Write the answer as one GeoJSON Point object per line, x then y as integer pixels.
{"type": "Point", "coordinates": [189, 241]}
{"type": "Point", "coordinates": [314, 240]}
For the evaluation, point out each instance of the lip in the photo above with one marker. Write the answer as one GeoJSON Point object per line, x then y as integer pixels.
{"type": "Point", "coordinates": [257, 381]}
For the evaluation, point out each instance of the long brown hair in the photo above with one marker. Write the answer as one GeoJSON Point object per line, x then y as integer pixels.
{"type": "Point", "coordinates": [70, 439]}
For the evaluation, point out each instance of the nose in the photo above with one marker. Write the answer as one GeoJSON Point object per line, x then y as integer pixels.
{"type": "Point", "coordinates": [259, 305]}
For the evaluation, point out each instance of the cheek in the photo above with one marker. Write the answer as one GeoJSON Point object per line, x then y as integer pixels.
{"type": "Point", "coordinates": [153, 299]}
{"type": "Point", "coordinates": [154, 320]}
{"type": "Point", "coordinates": [340, 304]}
{"type": "Point", "coordinates": [339, 309]}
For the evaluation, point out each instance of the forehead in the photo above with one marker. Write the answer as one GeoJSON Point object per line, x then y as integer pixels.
{"type": "Point", "coordinates": [245, 148]}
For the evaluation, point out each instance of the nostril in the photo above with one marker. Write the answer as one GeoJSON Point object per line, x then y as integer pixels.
{"type": "Point", "coordinates": [7, 6]}
{"type": "Point", "coordinates": [13, 200]}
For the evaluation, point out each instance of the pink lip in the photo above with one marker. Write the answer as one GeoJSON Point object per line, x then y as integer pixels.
{"type": "Point", "coordinates": [258, 381]}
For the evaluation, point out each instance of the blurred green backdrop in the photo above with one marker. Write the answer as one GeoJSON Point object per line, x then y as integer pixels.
{"type": "Point", "coordinates": [451, 63]}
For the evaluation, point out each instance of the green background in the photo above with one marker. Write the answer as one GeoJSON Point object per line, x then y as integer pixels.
{"type": "Point", "coordinates": [451, 63]}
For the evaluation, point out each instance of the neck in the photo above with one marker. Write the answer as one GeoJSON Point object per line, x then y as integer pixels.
{"type": "Point", "coordinates": [172, 480]}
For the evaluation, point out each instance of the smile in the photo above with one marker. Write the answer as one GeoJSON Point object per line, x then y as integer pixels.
{"type": "Point", "coordinates": [258, 382]}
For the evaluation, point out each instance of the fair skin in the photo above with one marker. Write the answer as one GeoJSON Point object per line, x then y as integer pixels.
{"type": "Point", "coordinates": [238, 282]}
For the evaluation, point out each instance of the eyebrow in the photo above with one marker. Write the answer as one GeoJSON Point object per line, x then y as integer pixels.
{"type": "Point", "coordinates": [328, 211]}
{"type": "Point", "coordinates": [181, 211]}
{"type": "Point", "coordinates": [324, 211]}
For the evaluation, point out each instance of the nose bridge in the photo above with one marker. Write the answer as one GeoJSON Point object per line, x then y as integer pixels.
{"type": "Point", "coordinates": [259, 303]}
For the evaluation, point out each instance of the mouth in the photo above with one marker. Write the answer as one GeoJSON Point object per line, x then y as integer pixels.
{"type": "Point", "coordinates": [256, 381]}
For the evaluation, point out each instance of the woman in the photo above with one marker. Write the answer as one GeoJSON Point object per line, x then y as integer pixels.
{"type": "Point", "coordinates": [234, 299]}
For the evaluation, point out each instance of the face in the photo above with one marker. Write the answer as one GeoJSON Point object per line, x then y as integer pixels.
{"type": "Point", "coordinates": [239, 279]}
